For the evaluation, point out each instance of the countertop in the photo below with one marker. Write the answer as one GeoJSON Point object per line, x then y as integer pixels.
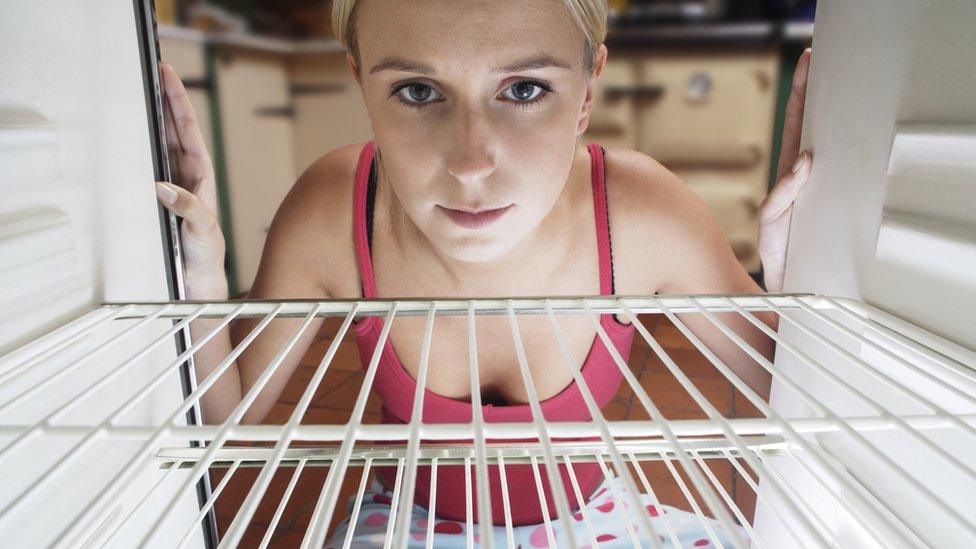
{"type": "Point", "coordinates": [685, 34]}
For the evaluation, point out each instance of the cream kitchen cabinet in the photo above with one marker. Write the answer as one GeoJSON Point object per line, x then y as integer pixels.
{"type": "Point", "coordinates": [707, 115]}
{"type": "Point", "coordinates": [329, 107]}
{"type": "Point", "coordinates": [256, 117]}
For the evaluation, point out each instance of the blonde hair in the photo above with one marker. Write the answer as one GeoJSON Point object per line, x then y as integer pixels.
{"type": "Point", "coordinates": [590, 15]}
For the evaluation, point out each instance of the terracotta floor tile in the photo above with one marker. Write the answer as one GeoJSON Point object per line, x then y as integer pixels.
{"type": "Point", "coordinates": [341, 392]}
{"type": "Point", "coordinates": [330, 326]}
{"type": "Point", "coordinates": [297, 384]}
{"type": "Point", "coordinates": [345, 359]}
{"type": "Point", "coordinates": [742, 406]}
{"type": "Point", "coordinates": [615, 411]}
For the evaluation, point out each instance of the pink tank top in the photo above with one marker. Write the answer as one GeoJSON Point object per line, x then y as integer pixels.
{"type": "Point", "coordinates": [395, 386]}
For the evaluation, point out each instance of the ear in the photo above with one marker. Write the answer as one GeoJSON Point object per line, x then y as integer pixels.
{"type": "Point", "coordinates": [591, 81]}
{"type": "Point", "coordinates": [353, 67]}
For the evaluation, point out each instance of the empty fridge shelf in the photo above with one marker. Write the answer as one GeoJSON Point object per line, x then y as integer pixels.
{"type": "Point", "coordinates": [868, 438]}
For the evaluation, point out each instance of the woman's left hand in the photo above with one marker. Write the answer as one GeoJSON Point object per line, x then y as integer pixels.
{"type": "Point", "coordinates": [792, 173]}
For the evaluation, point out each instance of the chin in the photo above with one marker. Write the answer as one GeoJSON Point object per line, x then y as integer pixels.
{"type": "Point", "coordinates": [478, 249]}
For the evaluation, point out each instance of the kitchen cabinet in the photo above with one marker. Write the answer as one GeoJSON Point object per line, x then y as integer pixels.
{"type": "Point", "coordinates": [256, 116]}
{"type": "Point", "coordinates": [329, 107]}
{"type": "Point", "coordinates": [707, 115]}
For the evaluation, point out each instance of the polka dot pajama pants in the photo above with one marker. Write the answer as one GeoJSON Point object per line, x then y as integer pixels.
{"type": "Point", "coordinates": [606, 517]}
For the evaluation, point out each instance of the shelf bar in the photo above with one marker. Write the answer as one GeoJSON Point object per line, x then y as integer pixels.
{"type": "Point", "coordinates": [750, 427]}
{"type": "Point", "coordinates": [317, 528]}
{"type": "Point", "coordinates": [131, 469]}
{"type": "Point", "coordinates": [693, 474]}
{"type": "Point", "coordinates": [397, 490]}
{"type": "Point", "coordinates": [893, 530]}
{"type": "Point", "coordinates": [844, 426]}
{"type": "Point", "coordinates": [61, 372]}
{"type": "Point", "coordinates": [194, 524]}
{"type": "Point", "coordinates": [478, 424]}
{"type": "Point", "coordinates": [580, 502]}
{"type": "Point", "coordinates": [459, 306]}
{"type": "Point", "coordinates": [867, 401]}
{"type": "Point", "coordinates": [227, 429]}
{"type": "Point", "coordinates": [754, 539]}
{"type": "Point", "coordinates": [250, 504]}
{"type": "Point", "coordinates": [41, 349]}
{"type": "Point", "coordinates": [879, 374]}
{"type": "Point", "coordinates": [402, 534]}
{"type": "Point", "coordinates": [631, 531]}
{"type": "Point", "coordinates": [432, 504]}
{"type": "Point", "coordinates": [655, 501]}
{"type": "Point", "coordinates": [596, 416]}
{"type": "Point", "coordinates": [690, 498]}
{"type": "Point", "coordinates": [138, 506]}
{"type": "Point", "coordinates": [762, 497]}
{"type": "Point", "coordinates": [90, 435]}
{"type": "Point", "coordinates": [550, 535]}
{"type": "Point", "coordinates": [468, 506]}
{"type": "Point", "coordinates": [354, 517]}
{"type": "Point", "coordinates": [506, 504]}
{"type": "Point", "coordinates": [280, 510]}
{"type": "Point", "coordinates": [552, 471]}
{"type": "Point", "coordinates": [955, 358]}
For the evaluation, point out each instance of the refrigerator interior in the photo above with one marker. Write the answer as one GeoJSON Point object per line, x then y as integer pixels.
{"type": "Point", "coordinates": [867, 440]}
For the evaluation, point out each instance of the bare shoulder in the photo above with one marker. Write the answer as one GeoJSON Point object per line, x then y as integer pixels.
{"type": "Point", "coordinates": [658, 224]}
{"type": "Point", "coordinates": [310, 244]}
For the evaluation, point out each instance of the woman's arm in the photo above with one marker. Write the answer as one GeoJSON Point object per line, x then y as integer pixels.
{"type": "Point", "coordinates": [293, 265]}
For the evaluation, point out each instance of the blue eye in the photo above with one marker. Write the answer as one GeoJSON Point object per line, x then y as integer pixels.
{"type": "Point", "coordinates": [525, 94]}
{"type": "Point", "coordinates": [524, 91]}
{"type": "Point", "coordinates": [416, 96]}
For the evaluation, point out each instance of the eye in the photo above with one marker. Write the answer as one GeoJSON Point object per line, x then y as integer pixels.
{"type": "Point", "coordinates": [416, 94]}
{"type": "Point", "coordinates": [527, 91]}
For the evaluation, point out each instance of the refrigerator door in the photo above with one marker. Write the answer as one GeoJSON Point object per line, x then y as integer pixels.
{"type": "Point", "coordinates": [79, 225]}
{"type": "Point", "coordinates": [889, 216]}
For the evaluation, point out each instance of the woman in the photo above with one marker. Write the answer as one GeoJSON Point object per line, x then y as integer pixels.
{"type": "Point", "coordinates": [477, 185]}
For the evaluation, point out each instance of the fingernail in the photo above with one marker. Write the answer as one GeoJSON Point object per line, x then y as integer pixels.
{"type": "Point", "coordinates": [166, 193]}
{"type": "Point", "coordinates": [799, 162]}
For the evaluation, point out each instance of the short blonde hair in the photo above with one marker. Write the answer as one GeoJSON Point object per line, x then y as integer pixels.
{"type": "Point", "coordinates": [590, 15]}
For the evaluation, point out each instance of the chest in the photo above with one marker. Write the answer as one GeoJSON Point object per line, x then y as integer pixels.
{"type": "Point", "coordinates": [549, 364]}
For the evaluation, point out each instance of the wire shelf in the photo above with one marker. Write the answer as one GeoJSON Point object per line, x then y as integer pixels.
{"type": "Point", "coordinates": [902, 388]}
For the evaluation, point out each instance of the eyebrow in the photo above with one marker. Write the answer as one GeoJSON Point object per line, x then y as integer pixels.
{"type": "Point", "coordinates": [529, 63]}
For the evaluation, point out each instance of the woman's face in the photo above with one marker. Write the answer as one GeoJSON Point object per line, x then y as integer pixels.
{"type": "Point", "coordinates": [475, 106]}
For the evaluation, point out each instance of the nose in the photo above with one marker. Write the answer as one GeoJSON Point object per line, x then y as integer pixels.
{"type": "Point", "coordinates": [473, 158]}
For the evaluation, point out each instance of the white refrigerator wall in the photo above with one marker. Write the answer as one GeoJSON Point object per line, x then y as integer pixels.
{"type": "Point", "coordinates": [889, 216]}
{"type": "Point", "coordinates": [78, 226]}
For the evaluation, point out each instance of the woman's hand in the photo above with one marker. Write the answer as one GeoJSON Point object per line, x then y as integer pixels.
{"type": "Point", "coordinates": [792, 173]}
{"type": "Point", "coordinates": [193, 194]}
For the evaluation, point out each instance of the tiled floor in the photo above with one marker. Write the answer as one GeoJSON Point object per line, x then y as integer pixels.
{"type": "Point", "coordinates": [336, 395]}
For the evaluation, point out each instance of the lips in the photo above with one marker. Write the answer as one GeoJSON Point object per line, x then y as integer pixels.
{"type": "Point", "coordinates": [475, 220]}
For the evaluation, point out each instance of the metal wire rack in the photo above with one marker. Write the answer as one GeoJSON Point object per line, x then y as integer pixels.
{"type": "Point", "coordinates": [791, 464]}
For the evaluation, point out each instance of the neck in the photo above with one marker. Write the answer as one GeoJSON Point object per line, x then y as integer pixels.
{"type": "Point", "coordinates": [517, 269]}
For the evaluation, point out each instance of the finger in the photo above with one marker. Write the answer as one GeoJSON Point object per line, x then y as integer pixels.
{"type": "Point", "coordinates": [785, 191]}
{"type": "Point", "coordinates": [184, 117]}
{"type": "Point", "coordinates": [793, 123]}
{"type": "Point", "coordinates": [196, 218]}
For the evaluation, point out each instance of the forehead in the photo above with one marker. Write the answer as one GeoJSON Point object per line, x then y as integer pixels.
{"type": "Point", "coordinates": [464, 34]}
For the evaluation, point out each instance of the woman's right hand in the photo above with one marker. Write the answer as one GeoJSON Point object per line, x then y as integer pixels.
{"type": "Point", "coordinates": [193, 194]}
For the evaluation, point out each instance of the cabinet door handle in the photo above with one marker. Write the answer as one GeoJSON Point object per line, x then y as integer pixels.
{"type": "Point", "coordinates": [285, 111]}
{"type": "Point", "coordinates": [642, 92]}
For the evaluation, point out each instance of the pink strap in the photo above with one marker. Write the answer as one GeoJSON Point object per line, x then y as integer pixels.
{"type": "Point", "coordinates": [359, 221]}
{"type": "Point", "coordinates": [602, 223]}
{"type": "Point", "coordinates": [599, 210]}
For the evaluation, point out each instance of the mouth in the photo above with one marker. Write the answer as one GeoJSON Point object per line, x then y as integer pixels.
{"type": "Point", "coordinates": [475, 219]}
